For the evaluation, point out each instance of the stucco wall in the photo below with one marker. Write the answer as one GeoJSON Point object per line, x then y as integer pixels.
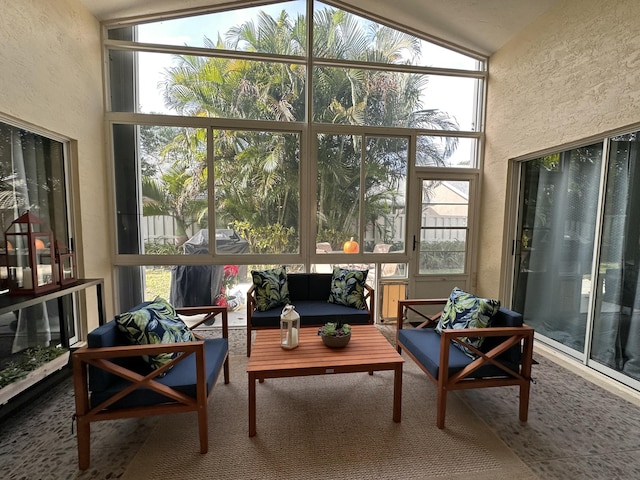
{"type": "Point", "coordinates": [51, 78]}
{"type": "Point", "coordinates": [572, 74]}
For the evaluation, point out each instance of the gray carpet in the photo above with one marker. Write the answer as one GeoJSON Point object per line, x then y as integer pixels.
{"type": "Point", "coordinates": [576, 430]}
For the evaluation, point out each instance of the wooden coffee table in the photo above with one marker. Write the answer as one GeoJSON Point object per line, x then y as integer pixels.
{"type": "Point", "coordinates": [368, 351]}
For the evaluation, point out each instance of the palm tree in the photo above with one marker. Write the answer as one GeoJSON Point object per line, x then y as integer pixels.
{"type": "Point", "coordinates": [177, 190]}
{"type": "Point", "coordinates": [255, 172]}
{"type": "Point", "coordinates": [371, 97]}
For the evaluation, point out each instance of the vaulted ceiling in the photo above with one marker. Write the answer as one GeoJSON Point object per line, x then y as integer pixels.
{"type": "Point", "coordinates": [482, 26]}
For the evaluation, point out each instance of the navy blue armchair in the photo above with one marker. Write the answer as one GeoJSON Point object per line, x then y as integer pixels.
{"type": "Point", "coordinates": [112, 381]}
{"type": "Point", "coordinates": [503, 359]}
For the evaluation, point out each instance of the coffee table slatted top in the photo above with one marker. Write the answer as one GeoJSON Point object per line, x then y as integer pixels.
{"type": "Point", "coordinates": [366, 347]}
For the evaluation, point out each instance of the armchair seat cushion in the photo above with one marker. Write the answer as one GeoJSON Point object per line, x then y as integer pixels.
{"type": "Point", "coordinates": [182, 377]}
{"type": "Point", "coordinates": [313, 312]}
{"type": "Point", "coordinates": [424, 345]}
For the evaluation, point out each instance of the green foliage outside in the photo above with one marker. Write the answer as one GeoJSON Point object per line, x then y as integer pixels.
{"type": "Point", "coordinates": [442, 256]}
{"type": "Point", "coordinates": [257, 173]}
{"type": "Point", "coordinates": [157, 282]}
{"type": "Point", "coordinates": [161, 249]}
{"type": "Point", "coordinates": [268, 238]}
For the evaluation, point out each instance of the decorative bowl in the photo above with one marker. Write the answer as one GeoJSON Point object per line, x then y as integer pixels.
{"type": "Point", "coordinates": [334, 341]}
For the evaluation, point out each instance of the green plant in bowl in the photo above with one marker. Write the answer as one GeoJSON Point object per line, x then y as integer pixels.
{"type": "Point", "coordinates": [335, 334]}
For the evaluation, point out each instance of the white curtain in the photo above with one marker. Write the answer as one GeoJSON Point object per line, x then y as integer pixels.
{"type": "Point", "coordinates": [29, 184]}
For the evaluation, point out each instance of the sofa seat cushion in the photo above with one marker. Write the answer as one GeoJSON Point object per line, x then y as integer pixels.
{"type": "Point", "coordinates": [181, 377]}
{"type": "Point", "coordinates": [424, 345]}
{"type": "Point", "coordinates": [312, 312]}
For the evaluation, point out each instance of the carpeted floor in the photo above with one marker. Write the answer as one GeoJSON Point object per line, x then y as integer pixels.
{"type": "Point", "coordinates": [332, 427]}
{"type": "Point", "coordinates": [576, 429]}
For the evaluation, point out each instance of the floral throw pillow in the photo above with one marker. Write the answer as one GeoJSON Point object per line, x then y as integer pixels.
{"type": "Point", "coordinates": [347, 287]}
{"type": "Point", "coordinates": [464, 310]}
{"type": "Point", "coordinates": [272, 289]}
{"type": "Point", "coordinates": [152, 323]}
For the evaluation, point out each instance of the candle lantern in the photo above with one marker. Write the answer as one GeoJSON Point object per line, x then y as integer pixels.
{"type": "Point", "coordinates": [30, 256]}
{"type": "Point", "coordinates": [66, 264]}
{"type": "Point", "coordinates": [289, 327]}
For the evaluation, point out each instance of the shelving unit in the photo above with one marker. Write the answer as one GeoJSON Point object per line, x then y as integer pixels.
{"type": "Point", "coordinates": [12, 303]}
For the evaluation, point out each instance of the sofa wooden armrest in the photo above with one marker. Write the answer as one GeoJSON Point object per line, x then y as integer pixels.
{"type": "Point", "coordinates": [505, 357]}
{"type": "Point", "coordinates": [112, 381]}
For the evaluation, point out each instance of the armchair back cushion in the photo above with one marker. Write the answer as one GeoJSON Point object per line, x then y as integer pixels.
{"type": "Point", "coordinates": [109, 335]}
{"type": "Point", "coordinates": [505, 317]}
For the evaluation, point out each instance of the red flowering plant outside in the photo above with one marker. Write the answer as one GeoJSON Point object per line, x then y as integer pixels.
{"type": "Point", "coordinates": [229, 279]}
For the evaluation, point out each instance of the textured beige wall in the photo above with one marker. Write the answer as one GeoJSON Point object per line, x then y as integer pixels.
{"type": "Point", "coordinates": [51, 78]}
{"type": "Point", "coordinates": [574, 73]}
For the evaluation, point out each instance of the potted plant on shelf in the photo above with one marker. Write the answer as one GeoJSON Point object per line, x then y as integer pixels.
{"type": "Point", "coordinates": [335, 334]}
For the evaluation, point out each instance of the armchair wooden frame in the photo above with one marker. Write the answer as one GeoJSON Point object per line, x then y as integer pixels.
{"type": "Point", "coordinates": [101, 358]}
{"type": "Point", "coordinates": [463, 379]}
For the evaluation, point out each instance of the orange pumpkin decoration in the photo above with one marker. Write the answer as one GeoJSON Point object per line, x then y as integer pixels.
{"type": "Point", "coordinates": [351, 246]}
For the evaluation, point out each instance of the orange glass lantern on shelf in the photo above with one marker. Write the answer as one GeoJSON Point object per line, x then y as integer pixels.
{"type": "Point", "coordinates": [30, 256]}
{"type": "Point", "coordinates": [351, 246]}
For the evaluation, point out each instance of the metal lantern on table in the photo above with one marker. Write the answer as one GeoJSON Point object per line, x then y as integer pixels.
{"type": "Point", "coordinates": [289, 327]}
{"type": "Point", "coordinates": [30, 256]}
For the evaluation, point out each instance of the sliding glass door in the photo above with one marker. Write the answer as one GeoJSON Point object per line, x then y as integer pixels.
{"type": "Point", "coordinates": [616, 327]}
{"type": "Point", "coordinates": [558, 205]}
{"type": "Point", "coordinates": [577, 253]}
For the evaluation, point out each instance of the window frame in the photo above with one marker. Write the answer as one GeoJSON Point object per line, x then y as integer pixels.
{"type": "Point", "coordinates": [307, 130]}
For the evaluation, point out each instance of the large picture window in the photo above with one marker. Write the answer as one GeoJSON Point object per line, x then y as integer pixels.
{"type": "Point", "coordinates": [226, 122]}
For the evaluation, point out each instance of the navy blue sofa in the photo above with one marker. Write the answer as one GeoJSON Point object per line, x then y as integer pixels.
{"type": "Point", "coordinates": [309, 293]}
{"type": "Point", "coordinates": [111, 379]}
{"type": "Point", "coordinates": [504, 358]}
